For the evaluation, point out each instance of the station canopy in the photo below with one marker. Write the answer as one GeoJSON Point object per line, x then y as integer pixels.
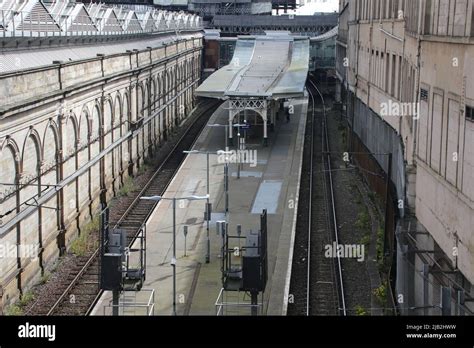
{"type": "Point", "coordinates": [271, 66]}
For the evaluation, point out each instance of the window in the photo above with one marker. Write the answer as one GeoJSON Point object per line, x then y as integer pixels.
{"type": "Point", "coordinates": [470, 113]}
{"type": "Point", "coordinates": [424, 95]}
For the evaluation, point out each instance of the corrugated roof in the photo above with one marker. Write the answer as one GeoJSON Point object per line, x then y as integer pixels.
{"type": "Point", "coordinates": [272, 66]}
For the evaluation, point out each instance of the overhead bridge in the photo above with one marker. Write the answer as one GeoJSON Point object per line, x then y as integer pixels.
{"type": "Point", "coordinates": [265, 71]}
{"type": "Point", "coordinates": [258, 24]}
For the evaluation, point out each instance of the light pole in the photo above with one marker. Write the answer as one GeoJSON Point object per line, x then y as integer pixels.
{"type": "Point", "coordinates": [208, 251]}
{"type": "Point", "coordinates": [173, 259]}
{"type": "Point", "coordinates": [244, 126]}
{"type": "Point", "coordinates": [207, 153]}
{"type": "Point", "coordinates": [226, 178]}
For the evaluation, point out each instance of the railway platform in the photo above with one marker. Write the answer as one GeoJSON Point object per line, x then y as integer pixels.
{"type": "Point", "coordinates": [269, 181]}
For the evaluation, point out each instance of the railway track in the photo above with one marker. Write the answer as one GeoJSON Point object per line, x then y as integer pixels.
{"type": "Point", "coordinates": [317, 281]}
{"type": "Point", "coordinates": [78, 293]}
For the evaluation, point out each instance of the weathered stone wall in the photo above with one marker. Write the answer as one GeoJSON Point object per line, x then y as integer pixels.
{"type": "Point", "coordinates": [73, 125]}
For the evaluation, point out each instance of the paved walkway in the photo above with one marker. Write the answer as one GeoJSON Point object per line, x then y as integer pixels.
{"type": "Point", "coordinates": [272, 184]}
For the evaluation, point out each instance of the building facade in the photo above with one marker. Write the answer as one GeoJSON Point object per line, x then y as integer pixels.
{"type": "Point", "coordinates": [73, 131]}
{"type": "Point", "coordinates": [405, 66]}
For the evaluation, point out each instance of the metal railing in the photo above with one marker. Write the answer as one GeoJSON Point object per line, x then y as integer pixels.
{"type": "Point", "coordinates": [236, 303]}
{"type": "Point", "coordinates": [131, 306]}
{"type": "Point", "coordinates": [39, 24]}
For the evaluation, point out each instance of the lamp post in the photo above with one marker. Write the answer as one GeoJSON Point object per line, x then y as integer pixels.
{"type": "Point", "coordinates": [238, 125]}
{"type": "Point", "coordinates": [207, 153]}
{"type": "Point", "coordinates": [173, 259]}
{"type": "Point", "coordinates": [226, 178]}
{"type": "Point", "coordinates": [208, 250]}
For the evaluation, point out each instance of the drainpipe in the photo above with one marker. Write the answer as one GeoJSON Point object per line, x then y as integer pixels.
{"type": "Point", "coordinates": [418, 81]}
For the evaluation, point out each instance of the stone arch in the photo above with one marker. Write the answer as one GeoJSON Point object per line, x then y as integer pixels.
{"type": "Point", "coordinates": [108, 138]}
{"type": "Point", "coordinates": [31, 152]}
{"type": "Point", "coordinates": [159, 96]}
{"type": "Point", "coordinates": [179, 76]}
{"type": "Point", "coordinates": [117, 103]}
{"type": "Point", "coordinates": [174, 89]}
{"type": "Point", "coordinates": [71, 128]}
{"type": "Point", "coordinates": [10, 167]}
{"type": "Point", "coordinates": [50, 217]}
{"type": "Point", "coordinates": [9, 143]}
{"type": "Point", "coordinates": [117, 116]}
{"type": "Point", "coordinates": [94, 149]}
{"type": "Point", "coordinates": [146, 98]}
{"type": "Point", "coordinates": [182, 82]}
{"type": "Point", "coordinates": [95, 123]}
{"type": "Point", "coordinates": [146, 113]}
{"type": "Point", "coordinates": [71, 157]}
{"type": "Point", "coordinates": [50, 146]}
{"type": "Point", "coordinates": [30, 170]}
{"type": "Point", "coordinates": [172, 80]}
{"type": "Point", "coordinates": [178, 87]}
{"type": "Point", "coordinates": [126, 107]}
{"type": "Point", "coordinates": [153, 94]}
{"type": "Point", "coordinates": [167, 91]}
{"type": "Point", "coordinates": [9, 170]}
{"type": "Point", "coordinates": [189, 69]}
{"type": "Point", "coordinates": [116, 134]}
{"type": "Point", "coordinates": [83, 155]}
{"type": "Point", "coordinates": [125, 119]}
{"type": "Point", "coordinates": [159, 90]}
{"type": "Point", "coordinates": [108, 114]}
{"type": "Point", "coordinates": [140, 99]}
{"type": "Point", "coordinates": [84, 127]}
